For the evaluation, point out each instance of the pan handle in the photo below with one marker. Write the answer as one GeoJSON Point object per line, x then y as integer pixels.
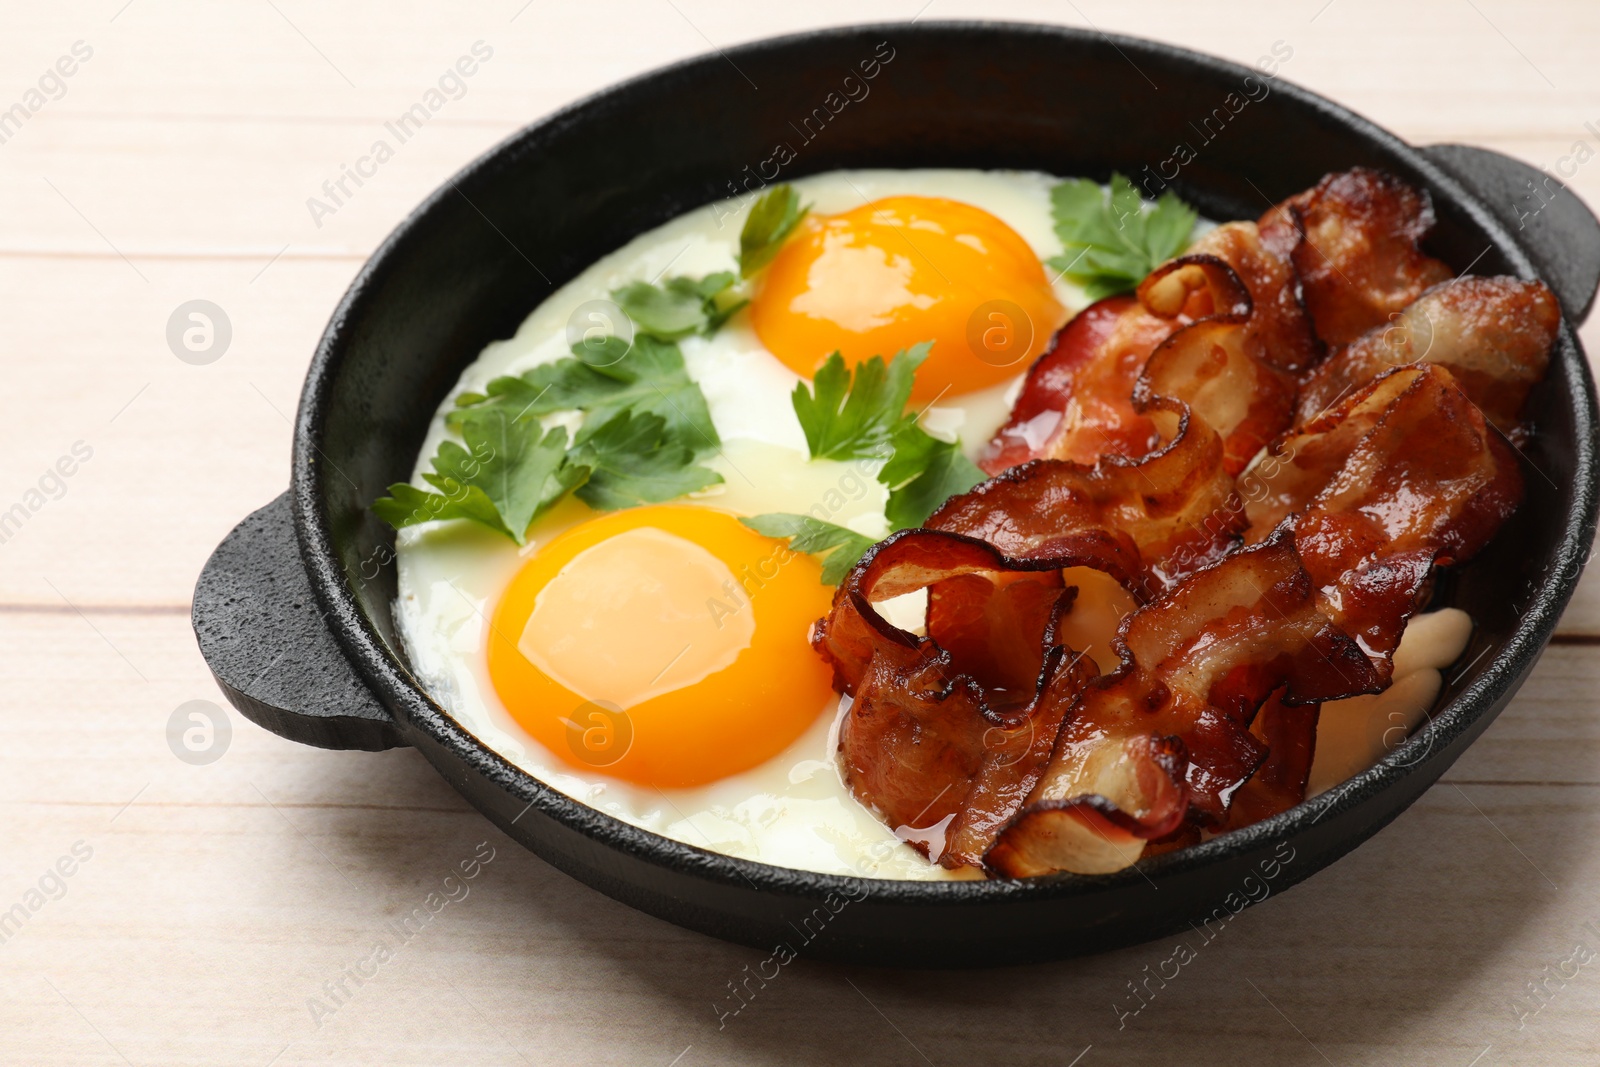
{"type": "Point", "coordinates": [268, 645]}
{"type": "Point", "coordinates": [1558, 231]}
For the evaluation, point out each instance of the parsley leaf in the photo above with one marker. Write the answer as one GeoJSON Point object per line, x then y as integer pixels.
{"type": "Point", "coordinates": [861, 414]}
{"type": "Point", "coordinates": [770, 223]}
{"type": "Point", "coordinates": [649, 378]}
{"type": "Point", "coordinates": [406, 505]}
{"type": "Point", "coordinates": [922, 474]}
{"type": "Point", "coordinates": [679, 306]}
{"type": "Point", "coordinates": [840, 548]}
{"type": "Point", "coordinates": [854, 414]}
{"type": "Point", "coordinates": [1111, 241]}
{"type": "Point", "coordinates": [633, 458]}
{"type": "Point", "coordinates": [510, 472]}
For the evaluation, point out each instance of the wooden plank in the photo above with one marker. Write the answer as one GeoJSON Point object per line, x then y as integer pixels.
{"type": "Point", "coordinates": [179, 452]}
{"type": "Point", "coordinates": [369, 59]}
{"type": "Point", "coordinates": [257, 878]}
{"type": "Point", "coordinates": [225, 187]}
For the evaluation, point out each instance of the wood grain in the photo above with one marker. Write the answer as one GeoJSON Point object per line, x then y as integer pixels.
{"type": "Point", "coordinates": [218, 899]}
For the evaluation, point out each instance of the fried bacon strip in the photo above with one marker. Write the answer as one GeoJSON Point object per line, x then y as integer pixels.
{"type": "Point", "coordinates": [1218, 364]}
{"type": "Point", "coordinates": [946, 734]}
{"type": "Point", "coordinates": [1281, 333]}
{"type": "Point", "coordinates": [1145, 521]}
{"type": "Point", "coordinates": [1341, 257]}
{"type": "Point", "coordinates": [1076, 402]}
{"type": "Point", "coordinates": [1169, 732]}
{"type": "Point", "coordinates": [1353, 240]}
{"type": "Point", "coordinates": [1221, 329]}
{"type": "Point", "coordinates": [1290, 733]}
{"type": "Point", "coordinates": [1405, 474]}
{"type": "Point", "coordinates": [1493, 333]}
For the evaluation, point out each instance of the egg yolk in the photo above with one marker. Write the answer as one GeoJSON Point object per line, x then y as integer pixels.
{"type": "Point", "coordinates": [665, 645]}
{"type": "Point", "coordinates": [895, 272]}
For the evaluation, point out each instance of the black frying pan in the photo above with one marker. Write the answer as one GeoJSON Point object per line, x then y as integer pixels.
{"type": "Point", "coordinates": [293, 610]}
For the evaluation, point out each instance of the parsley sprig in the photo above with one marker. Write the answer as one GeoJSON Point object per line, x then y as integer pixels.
{"type": "Point", "coordinates": [772, 221]}
{"type": "Point", "coordinates": [648, 377]}
{"type": "Point", "coordinates": [636, 458]}
{"type": "Point", "coordinates": [855, 413]}
{"type": "Point", "coordinates": [1114, 237]}
{"type": "Point", "coordinates": [680, 306]}
{"type": "Point", "coordinates": [861, 414]}
{"type": "Point", "coordinates": [644, 424]}
{"type": "Point", "coordinates": [508, 474]}
{"type": "Point", "coordinates": [839, 546]}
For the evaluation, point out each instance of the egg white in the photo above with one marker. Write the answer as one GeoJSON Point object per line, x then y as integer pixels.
{"type": "Point", "coordinates": [795, 810]}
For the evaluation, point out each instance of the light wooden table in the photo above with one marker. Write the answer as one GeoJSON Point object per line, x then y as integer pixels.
{"type": "Point", "coordinates": [215, 900]}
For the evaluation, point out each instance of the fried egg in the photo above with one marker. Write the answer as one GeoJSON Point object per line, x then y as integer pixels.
{"type": "Point", "coordinates": [679, 635]}
{"type": "Point", "coordinates": [654, 662]}
{"type": "Point", "coordinates": [895, 271]}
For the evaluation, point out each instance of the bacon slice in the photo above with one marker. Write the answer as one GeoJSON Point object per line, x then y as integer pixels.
{"type": "Point", "coordinates": [1169, 732]}
{"type": "Point", "coordinates": [1281, 330]}
{"type": "Point", "coordinates": [946, 733]}
{"type": "Point", "coordinates": [1220, 328]}
{"type": "Point", "coordinates": [1290, 734]}
{"type": "Point", "coordinates": [1146, 521]}
{"type": "Point", "coordinates": [1354, 241]}
{"type": "Point", "coordinates": [1341, 257]}
{"type": "Point", "coordinates": [1427, 481]}
{"type": "Point", "coordinates": [1493, 333]}
{"type": "Point", "coordinates": [1219, 365]}
{"type": "Point", "coordinates": [1076, 402]}
{"type": "Point", "coordinates": [1295, 469]}
{"type": "Point", "coordinates": [1090, 834]}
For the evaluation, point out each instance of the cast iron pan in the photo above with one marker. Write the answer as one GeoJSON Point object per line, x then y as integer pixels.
{"type": "Point", "coordinates": [293, 610]}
